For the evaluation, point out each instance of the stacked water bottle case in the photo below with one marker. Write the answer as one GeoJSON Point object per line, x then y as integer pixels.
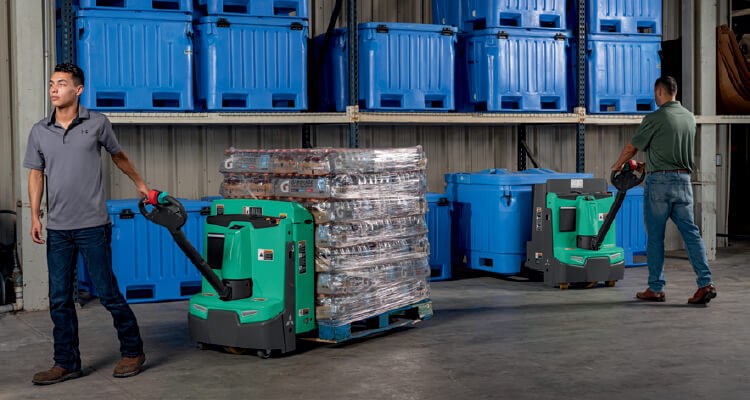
{"type": "Point", "coordinates": [371, 248]}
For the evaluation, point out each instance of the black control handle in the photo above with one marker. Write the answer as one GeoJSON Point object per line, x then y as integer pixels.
{"type": "Point", "coordinates": [169, 213]}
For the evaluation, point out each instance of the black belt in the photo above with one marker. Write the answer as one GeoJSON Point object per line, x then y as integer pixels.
{"type": "Point", "coordinates": [682, 171]}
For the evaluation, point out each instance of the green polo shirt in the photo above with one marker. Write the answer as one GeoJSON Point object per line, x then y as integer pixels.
{"type": "Point", "coordinates": [667, 136]}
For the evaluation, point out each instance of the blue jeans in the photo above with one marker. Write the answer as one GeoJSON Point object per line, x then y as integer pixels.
{"type": "Point", "coordinates": [669, 195]}
{"type": "Point", "coordinates": [62, 253]}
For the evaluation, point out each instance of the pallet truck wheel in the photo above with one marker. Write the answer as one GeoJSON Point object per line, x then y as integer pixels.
{"type": "Point", "coordinates": [610, 283]}
{"type": "Point", "coordinates": [235, 350]}
{"type": "Point", "coordinates": [264, 354]}
{"type": "Point", "coordinates": [589, 285]}
{"type": "Point", "coordinates": [563, 286]}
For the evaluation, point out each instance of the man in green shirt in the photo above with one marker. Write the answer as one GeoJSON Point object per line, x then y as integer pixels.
{"type": "Point", "coordinates": [667, 136]}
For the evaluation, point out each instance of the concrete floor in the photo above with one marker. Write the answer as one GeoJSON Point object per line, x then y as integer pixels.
{"type": "Point", "coordinates": [490, 338]}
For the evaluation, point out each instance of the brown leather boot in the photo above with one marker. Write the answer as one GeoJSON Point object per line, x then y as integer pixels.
{"type": "Point", "coordinates": [129, 366]}
{"type": "Point", "coordinates": [703, 295]}
{"type": "Point", "coordinates": [651, 296]}
{"type": "Point", "coordinates": [55, 374]}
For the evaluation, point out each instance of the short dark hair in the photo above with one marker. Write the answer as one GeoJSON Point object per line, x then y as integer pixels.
{"type": "Point", "coordinates": [78, 78]}
{"type": "Point", "coordinates": [668, 84]}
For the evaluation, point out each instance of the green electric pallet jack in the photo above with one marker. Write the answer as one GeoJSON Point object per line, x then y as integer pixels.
{"type": "Point", "coordinates": [258, 286]}
{"type": "Point", "coordinates": [571, 241]}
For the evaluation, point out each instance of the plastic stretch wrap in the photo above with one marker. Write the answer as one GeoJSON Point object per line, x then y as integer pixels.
{"type": "Point", "coordinates": [323, 161]}
{"type": "Point", "coordinates": [370, 278]}
{"type": "Point", "coordinates": [360, 232]}
{"type": "Point", "coordinates": [344, 259]}
{"type": "Point", "coordinates": [344, 309]}
{"type": "Point", "coordinates": [329, 211]}
{"type": "Point", "coordinates": [353, 186]}
{"type": "Point", "coordinates": [371, 248]}
{"type": "Point", "coordinates": [246, 186]}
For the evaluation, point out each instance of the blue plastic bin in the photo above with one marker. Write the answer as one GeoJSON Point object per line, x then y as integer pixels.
{"type": "Point", "coordinates": [183, 6]}
{"type": "Point", "coordinates": [624, 16]}
{"type": "Point", "coordinates": [471, 15]}
{"type": "Point", "coordinates": [251, 63]}
{"type": "Point", "coordinates": [135, 60]}
{"type": "Point", "coordinates": [402, 67]}
{"type": "Point", "coordinates": [630, 230]}
{"type": "Point", "coordinates": [253, 8]}
{"type": "Point", "coordinates": [211, 198]}
{"type": "Point", "coordinates": [621, 72]}
{"type": "Point", "coordinates": [439, 236]}
{"type": "Point", "coordinates": [492, 216]}
{"type": "Point", "coordinates": [148, 264]}
{"type": "Point", "coordinates": [448, 12]}
{"type": "Point", "coordinates": [512, 70]}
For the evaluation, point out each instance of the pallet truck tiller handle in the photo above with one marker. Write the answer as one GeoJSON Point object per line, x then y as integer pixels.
{"type": "Point", "coordinates": [169, 213]}
{"type": "Point", "coordinates": [623, 180]}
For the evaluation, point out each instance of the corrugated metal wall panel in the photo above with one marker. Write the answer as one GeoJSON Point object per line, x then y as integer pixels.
{"type": "Point", "coordinates": [723, 149]}
{"type": "Point", "coordinates": [185, 160]}
{"type": "Point", "coordinates": [671, 21]}
{"type": "Point", "coordinates": [413, 11]}
{"type": "Point", "coordinates": [7, 170]}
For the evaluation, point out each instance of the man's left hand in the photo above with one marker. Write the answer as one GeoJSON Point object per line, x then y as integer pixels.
{"type": "Point", "coordinates": [142, 190]}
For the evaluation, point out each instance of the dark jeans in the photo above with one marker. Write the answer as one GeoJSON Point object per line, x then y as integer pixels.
{"type": "Point", "coordinates": [62, 251]}
{"type": "Point", "coordinates": [670, 195]}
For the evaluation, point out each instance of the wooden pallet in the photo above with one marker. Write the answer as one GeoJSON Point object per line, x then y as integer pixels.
{"type": "Point", "coordinates": [396, 318]}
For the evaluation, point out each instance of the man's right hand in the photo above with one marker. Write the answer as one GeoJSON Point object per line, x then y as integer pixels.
{"type": "Point", "coordinates": [36, 231]}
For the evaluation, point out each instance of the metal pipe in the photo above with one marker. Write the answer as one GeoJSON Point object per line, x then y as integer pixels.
{"type": "Point", "coordinates": [18, 285]}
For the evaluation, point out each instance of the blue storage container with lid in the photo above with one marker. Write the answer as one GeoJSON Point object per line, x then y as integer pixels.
{"type": "Point", "coordinates": [148, 264]}
{"type": "Point", "coordinates": [620, 73]}
{"type": "Point", "coordinates": [439, 236]}
{"type": "Point", "coordinates": [492, 218]}
{"type": "Point", "coordinates": [471, 15]}
{"type": "Point", "coordinates": [251, 63]}
{"type": "Point", "coordinates": [180, 6]}
{"type": "Point", "coordinates": [630, 229]}
{"type": "Point", "coordinates": [642, 17]}
{"type": "Point", "coordinates": [402, 67]}
{"type": "Point", "coordinates": [253, 8]}
{"type": "Point", "coordinates": [135, 60]}
{"type": "Point", "coordinates": [512, 70]}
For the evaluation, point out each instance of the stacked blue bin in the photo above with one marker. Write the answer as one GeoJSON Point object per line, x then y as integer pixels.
{"type": "Point", "coordinates": [623, 55]}
{"type": "Point", "coordinates": [630, 229]}
{"type": "Point", "coordinates": [439, 236]}
{"type": "Point", "coordinates": [137, 54]}
{"type": "Point", "coordinates": [251, 55]}
{"type": "Point", "coordinates": [511, 56]}
{"type": "Point", "coordinates": [491, 216]}
{"type": "Point", "coordinates": [148, 264]}
{"type": "Point", "coordinates": [402, 67]}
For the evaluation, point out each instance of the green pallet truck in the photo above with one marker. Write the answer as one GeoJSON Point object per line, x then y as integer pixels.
{"type": "Point", "coordinates": [258, 275]}
{"type": "Point", "coordinates": [571, 237]}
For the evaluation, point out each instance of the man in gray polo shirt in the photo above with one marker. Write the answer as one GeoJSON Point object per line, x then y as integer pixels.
{"type": "Point", "coordinates": [66, 147]}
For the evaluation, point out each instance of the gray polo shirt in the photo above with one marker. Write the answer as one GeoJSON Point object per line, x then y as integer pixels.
{"type": "Point", "coordinates": [72, 161]}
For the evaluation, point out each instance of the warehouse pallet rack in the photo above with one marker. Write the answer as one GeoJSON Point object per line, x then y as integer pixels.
{"type": "Point", "coordinates": [353, 117]}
